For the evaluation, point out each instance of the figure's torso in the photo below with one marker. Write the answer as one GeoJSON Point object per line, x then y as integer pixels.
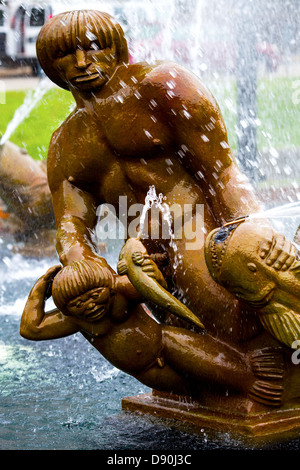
{"type": "Point", "coordinates": [123, 144]}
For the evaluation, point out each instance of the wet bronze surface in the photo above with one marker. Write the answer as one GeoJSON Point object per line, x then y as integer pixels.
{"type": "Point", "coordinates": [137, 125]}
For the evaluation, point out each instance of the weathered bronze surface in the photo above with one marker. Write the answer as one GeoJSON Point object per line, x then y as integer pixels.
{"type": "Point", "coordinates": [134, 126]}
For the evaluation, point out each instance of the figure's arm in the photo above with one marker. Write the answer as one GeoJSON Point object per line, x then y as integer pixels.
{"type": "Point", "coordinates": [35, 323]}
{"type": "Point", "coordinates": [75, 214]}
{"type": "Point", "coordinates": [202, 142]}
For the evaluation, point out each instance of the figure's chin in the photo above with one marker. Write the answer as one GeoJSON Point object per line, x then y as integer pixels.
{"type": "Point", "coordinates": [264, 298]}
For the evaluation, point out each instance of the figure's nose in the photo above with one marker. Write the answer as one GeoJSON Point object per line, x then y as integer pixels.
{"type": "Point", "coordinates": [91, 305]}
{"type": "Point", "coordinates": [81, 59]}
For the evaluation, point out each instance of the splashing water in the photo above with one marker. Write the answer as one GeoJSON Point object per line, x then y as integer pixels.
{"type": "Point", "coordinates": [286, 211]}
{"type": "Point", "coordinates": [291, 209]}
{"type": "Point", "coordinates": [30, 101]}
{"type": "Point", "coordinates": [152, 199]}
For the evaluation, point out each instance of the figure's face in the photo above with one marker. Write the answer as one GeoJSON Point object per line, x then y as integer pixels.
{"type": "Point", "coordinates": [88, 68]}
{"type": "Point", "coordinates": [235, 263]}
{"type": "Point", "coordinates": [90, 306]}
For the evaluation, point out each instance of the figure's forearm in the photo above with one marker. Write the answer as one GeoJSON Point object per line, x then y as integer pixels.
{"type": "Point", "coordinates": [74, 241]}
{"type": "Point", "coordinates": [236, 197]}
{"type": "Point", "coordinates": [34, 311]}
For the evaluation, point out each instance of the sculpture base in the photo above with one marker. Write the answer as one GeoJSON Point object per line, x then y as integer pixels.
{"type": "Point", "coordinates": [229, 414]}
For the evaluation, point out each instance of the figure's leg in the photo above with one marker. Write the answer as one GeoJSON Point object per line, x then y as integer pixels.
{"type": "Point", "coordinates": [204, 356]}
{"type": "Point", "coordinates": [189, 361]}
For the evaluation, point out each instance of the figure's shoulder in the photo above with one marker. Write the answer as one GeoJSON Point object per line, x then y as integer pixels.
{"type": "Point", "coordinates": [64, 128]}
{"type": "Point", "coordinates": [173, 79]}
{"type": "Point", "coordinates": [162, 72]}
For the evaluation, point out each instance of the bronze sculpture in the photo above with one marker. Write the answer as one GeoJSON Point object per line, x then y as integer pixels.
{"type": "Point", "coordinates": [133, 126]}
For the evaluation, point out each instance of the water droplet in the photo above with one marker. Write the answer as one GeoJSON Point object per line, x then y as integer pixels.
{"type": "Point", "coordinates": [148, 134]}
{"type": "Point", "coordinates": [170, 93]}
{"type": "Point", "coordinates": [173, 73]}
{"type": "Point", "coordinates": [224, 144]}
{"type": "Point", "coordinates": [200, 174]}
{"type": "Point", "coordinates": [171, 84]}
{"type": "Point", "coordinates": [186, 114]}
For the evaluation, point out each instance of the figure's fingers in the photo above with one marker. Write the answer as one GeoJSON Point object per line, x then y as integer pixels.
{"type": "Point", "coordinates": [42, 283]}
{"type": "Point", "coordinates": [148, 269]}
{"type": "Point", "coordinates": [278, 241]}
{"type": "Point", "coordinates": [284, 256]}
{"type": "Point", "coordinates": [265, 248]}
{"type": "Point", "coordinates": [289, 261]}
{"type": "Point", "coordinates": [51, 272]}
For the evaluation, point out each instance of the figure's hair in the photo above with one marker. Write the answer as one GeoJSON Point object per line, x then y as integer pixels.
{"type": "Point", "coordinates": [63, 32]}
{"type": "Point", "coordinates": [78, 278]}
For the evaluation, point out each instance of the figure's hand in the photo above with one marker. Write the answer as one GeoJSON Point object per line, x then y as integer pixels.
{"type": "Point", "coordinates": [278, 252]}
{"type": "Point", "coordinates": [42, 287]}
{"type": "Point", "coordinates": [150, 268]}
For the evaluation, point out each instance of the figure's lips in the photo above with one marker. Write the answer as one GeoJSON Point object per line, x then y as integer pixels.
{"type": "Point", "coordinates": [96, 313]}
{"type": "Point", "coordinates": [86, 77]}
{"type": "Point", "coordinates": [262, 302]}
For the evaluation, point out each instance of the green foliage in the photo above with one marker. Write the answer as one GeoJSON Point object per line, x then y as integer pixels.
{"type": "Point", "coordinates": [278, 117]}
{"type": "Point", "coordinates": [35, 131]}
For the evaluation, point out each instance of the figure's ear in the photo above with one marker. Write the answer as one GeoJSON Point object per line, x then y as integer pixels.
{"type": "Point", "coordinates": [282, 323]}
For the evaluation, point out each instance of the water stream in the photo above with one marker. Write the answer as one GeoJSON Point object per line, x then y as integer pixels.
{"type": "Point", "coordinates": [32, 98]}
{"type": "Point", "coordinates": [285, 211]}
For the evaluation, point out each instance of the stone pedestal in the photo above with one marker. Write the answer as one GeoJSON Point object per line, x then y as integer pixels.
{"type": "Point", "coordinates": [229, 414]}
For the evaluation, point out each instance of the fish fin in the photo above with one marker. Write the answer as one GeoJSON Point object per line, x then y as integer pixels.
{"type": "Point", "coordinates": [268, 368]}
{"type": "Point", "coordinates": [282, 323]}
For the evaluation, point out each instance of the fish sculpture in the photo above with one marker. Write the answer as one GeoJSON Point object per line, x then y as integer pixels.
{"type": "Point", "coordinates": [244, 258]}
{"type": "Point", "coordinates": [134, 261]}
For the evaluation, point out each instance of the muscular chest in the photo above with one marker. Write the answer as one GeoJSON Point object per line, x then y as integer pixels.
{"type": "Point", "coordinates": [134, 127]}
{"type": "Point", "coordinates": [114, 144]}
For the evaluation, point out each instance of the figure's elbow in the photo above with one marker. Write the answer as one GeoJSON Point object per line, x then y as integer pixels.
{"type": "Point", "coordinates": [29, 332]}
